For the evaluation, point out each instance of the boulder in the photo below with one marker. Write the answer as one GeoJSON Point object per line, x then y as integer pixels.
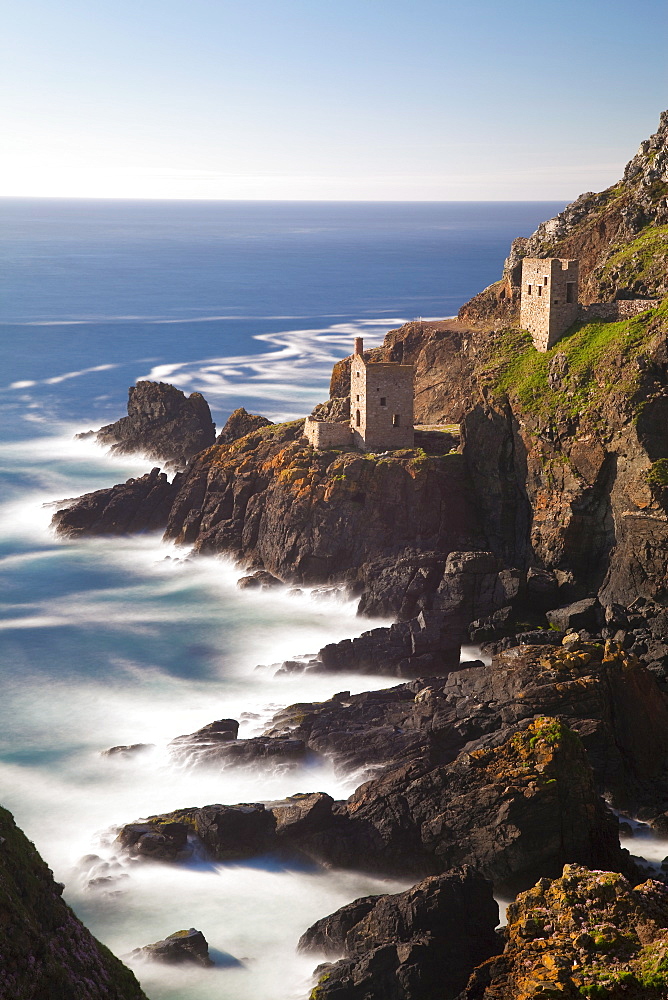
{"type": "Point", "coordinates": [425, 645]}
{"type": "Point", "coordinates": [259, 580]}
{"type": "Point", "coordinates": [239, 423]}
{"type": "Point", "coordinates": [162, 423]}
{"type": "Point", "coordinates": [586, 614]}
{"type": "Point", "coordinates": [180, 948]}
{"type": "Point", "coordinates": [584, 934]}
{"type": "Point", "coordinates": [416, 944]}
{"type": "Point", "coordinates": [471, 586]}
{"type": "Point", "coordinates": [227, 833]}
{"type": "Point", "coordinates": [137, 505]}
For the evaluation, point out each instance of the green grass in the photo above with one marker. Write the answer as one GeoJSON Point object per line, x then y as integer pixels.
{"type": "Point", "coordinates": [600, 361]}
{"type": "Point", "coordinates": [643, 259]}
{"type": "Point", "coordinates": [657, 474]}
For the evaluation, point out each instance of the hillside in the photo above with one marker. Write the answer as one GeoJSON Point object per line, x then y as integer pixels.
{"type": "Point", "coordinates": [45, 952]}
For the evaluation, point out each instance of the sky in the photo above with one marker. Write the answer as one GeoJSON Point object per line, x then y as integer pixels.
{"type": "Point", "coordinates": [432, 100]}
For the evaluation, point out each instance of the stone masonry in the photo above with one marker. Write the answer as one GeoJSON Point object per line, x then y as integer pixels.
{"type": "Point", "coordinates": [549, 299]}
{"type": "Point", "coordinates": [327, 434]}
{"type": "Point", "coordinates": [381, 403]}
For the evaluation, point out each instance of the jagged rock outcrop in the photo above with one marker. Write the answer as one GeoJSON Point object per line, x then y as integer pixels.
{"type": "Point", "coordinates": [598, 688]}
{"type": "Point", "coordinates": [180, 948]}
{"type": "Point", "coordinates": [514, 811]}
{"type": "Point", "coordinates": [162, 423]}
{"type": "Point", "coordinates": [142, 504]}
{"type": "Point", "coordinates": [310, 517]}
{"type": "Point", "coordinates": [567, 450]}
{"type": "Point", "coordinates": [239, 423]}
{"type": "Point", "coordinates": [46, 953]}
{"type": "Point", "coordinates": [409, 946]}
{"type": "Point", "coordinates": [428, 644]}
{"type": "Point", "coordinates": [585, 934]}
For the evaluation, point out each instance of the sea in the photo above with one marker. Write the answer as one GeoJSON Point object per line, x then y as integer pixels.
{"type": "Point", "coordinates": [108, 642]}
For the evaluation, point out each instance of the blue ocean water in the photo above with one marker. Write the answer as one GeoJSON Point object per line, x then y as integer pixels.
{"type": "Point", "coordinates": [117, 641]}
{"type": "Point", "coordinates": [98, 293]}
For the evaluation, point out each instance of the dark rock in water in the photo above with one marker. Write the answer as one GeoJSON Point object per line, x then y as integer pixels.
{"type": "Point", "coordinates": [46, 951]}
{"type": "Point", "coordinates": [138, 505]}
{"type": "Point", "coordinates": [428, 644]}
{"type": "Point", "coordinates": [181, 948]}
{"type": "Point", "coordinates": [228, 833]}
{"type": "Point", "coordinates": [239, 423]}
{"type": "Point", "coordinates": [167, 841]}
{"type": "Point", "coordinates": [260, 580]}
{"type": "Point", "coordinates": [327, 936]}
{"type": "Point", "coordinates": [127, 751]}
{"type": "Point", "coordinates": [585, 934]}
{"type": "Point", "coordinates": [586, 614]}
{"type": "Point", "coordinates": [416, 944]}
{"type": "Point", "coordinates": [217, 745]}
{"type": "Point", "coordinates": [162, 423]}
{"type": "Point", "coordinates": [211, 735]}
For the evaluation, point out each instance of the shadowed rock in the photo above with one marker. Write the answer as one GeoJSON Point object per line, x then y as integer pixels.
{"type": "Point", "coordinates": [181, 948]}
{"type": "Point", "coordinates": [162, 423]}
{"type": "Point", "coordinates": [409, 946]}
{"type": "Point", "coordinates": [137, 505]}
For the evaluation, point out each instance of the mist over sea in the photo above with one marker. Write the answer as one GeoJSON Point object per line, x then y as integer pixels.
{"type": "Point", "coordinates": [119, 641]}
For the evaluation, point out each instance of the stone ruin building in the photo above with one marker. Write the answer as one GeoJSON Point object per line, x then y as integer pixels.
{"type": "Point", "coordinates": [381, 408]}
{"type": "Point", "coordinates": [549, 299]}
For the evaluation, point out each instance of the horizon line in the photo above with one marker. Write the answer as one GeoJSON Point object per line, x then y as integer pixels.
{"type": "Point", "coordinates": [275, 201]}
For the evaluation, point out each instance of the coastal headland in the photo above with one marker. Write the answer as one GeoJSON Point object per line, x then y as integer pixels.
{"type": "Point", "coordinates": [530, 519]}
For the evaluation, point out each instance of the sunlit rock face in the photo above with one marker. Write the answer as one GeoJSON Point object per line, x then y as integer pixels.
{"type": "Point", "coordinates": [585, 934]}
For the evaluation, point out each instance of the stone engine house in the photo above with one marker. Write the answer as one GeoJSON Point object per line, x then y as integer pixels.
{"type": "Point", "coordinates": [381, 408]}
{"type": "Point", "coordinates": [549, 299]}
{"type": "Point", "coordinates": [381, 403]}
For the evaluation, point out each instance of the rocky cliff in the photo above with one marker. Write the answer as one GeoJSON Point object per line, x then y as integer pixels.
{"type": "Point", "coordinates": [568, 450]}
{"type": "Point", "coordinates": [45, 952]}
{"type": "Point", "coordinates": [620, 237]}
{"type": "Point", "coordinates": [319, 516]}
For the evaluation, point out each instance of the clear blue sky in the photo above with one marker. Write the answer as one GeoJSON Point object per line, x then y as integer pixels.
{"type": "Point", "coordinates": [359, 99]}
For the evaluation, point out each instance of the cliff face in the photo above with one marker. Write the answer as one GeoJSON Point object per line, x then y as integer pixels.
{"type": "Point", "coordinates": [568, 450]}
{"type": "Point", "coordinates": [45, 952]}
{"type": "Point", "coordinates": [315, 517]}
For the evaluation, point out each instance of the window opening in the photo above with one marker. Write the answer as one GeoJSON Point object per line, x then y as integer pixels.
{"type": "Point", "coordinates": [395, 420]}
{"type": "Point", "coordinates": [357, 419]}
{"type": "Point", "coordinates": [539, 289]}
{"type": "Point", "coordinates": [383, 400]}
{"type": "Point", "coordinates": [570, 285]}
{"type": "Point", "coordinates": [528, 289]}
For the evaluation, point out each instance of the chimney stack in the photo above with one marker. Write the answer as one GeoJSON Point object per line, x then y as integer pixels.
{"type": "Point", "coordinates": [359, 345]}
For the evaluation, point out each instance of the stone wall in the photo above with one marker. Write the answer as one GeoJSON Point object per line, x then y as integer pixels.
{"type": "Point", "coordinates": [327, 434]}
{"type": "Point", "coordinates": [381, 405]}
{"type": "Point", "coordinates": [549, 299]}
{"type": "Point", "coordinates": [622, 309]}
